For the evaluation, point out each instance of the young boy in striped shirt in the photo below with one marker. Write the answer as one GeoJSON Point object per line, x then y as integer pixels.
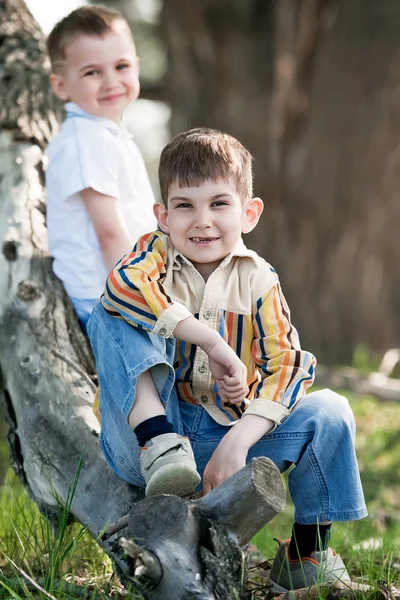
{"type": "Point", "coordinates": [200, 368]}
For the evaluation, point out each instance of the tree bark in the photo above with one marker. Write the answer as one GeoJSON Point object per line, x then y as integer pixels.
{"type": "Point", "coordinates": [188, 553]}
{"type": "Point", "coordinates": [311, 88]}
{"type": "Point", "coordinates": [45, 361]}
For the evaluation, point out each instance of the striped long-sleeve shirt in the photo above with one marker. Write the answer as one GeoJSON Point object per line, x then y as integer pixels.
{"type": "Point", "coordinates": [155, 287]}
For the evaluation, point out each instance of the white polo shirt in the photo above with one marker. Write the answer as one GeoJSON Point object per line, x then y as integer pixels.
{"type": "Point", "coordinates": [92, 152]}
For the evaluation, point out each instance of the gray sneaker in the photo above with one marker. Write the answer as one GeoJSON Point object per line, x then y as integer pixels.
{"type": "Point", "coordinates": [168, 466]}
{"type": "Point", "coordinates": [287, 574]}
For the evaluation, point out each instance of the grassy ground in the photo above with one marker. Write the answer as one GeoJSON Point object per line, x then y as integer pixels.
{"type": "Point", "coordinates": [69, 562]}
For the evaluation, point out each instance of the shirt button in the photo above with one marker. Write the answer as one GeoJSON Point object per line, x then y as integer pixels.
{"type": "Point", "coordinates": [207, 314]}
{"type": "Point", "coordinates": [163, 331]}
{"type": "Point", "coordinates": [204, 399]}
{"type": "Point", "coordinates": [202, 369]}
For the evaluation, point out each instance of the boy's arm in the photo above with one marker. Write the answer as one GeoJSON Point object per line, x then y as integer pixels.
{"type": "Point", "coordinates": [228, 371]}
{"type": "Point", "coordinates": [135, 288]}
{"type": "Point", "coordinates": [286, 372]}
{"type": "Point", "coordinates": [106, 216]}
{"type": "Point", "coordinates": [231, 453]}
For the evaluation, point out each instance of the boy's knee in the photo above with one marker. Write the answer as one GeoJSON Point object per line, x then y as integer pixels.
{"type": "Point", "coordinates": [333, 411]}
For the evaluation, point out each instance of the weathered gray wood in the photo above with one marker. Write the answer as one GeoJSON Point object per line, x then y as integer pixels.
{"type": "Point", "coordinates": [189, 538]}
{"type": "Point", "coordinates": [375, 384]}
{"type": "Point", "coordinates": [45, 360]}
{"type": "Point", "coordinates": [47, 388]}
{"type": "Point", "coordinates": [249, 499]}
{"type": "Point", "coordinates": [27, 106]}
{"type": "Point", "coordinates": [146, 565]}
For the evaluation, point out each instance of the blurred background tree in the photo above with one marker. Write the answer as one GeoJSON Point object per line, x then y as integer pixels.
{"type": "Point", "coordinates": [312, 88]}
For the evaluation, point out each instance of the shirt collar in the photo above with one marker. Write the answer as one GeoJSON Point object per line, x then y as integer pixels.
{"type": "Point", "coordinates": [240, 251]}
{"type": "Point", "coordinates": [73, 110]}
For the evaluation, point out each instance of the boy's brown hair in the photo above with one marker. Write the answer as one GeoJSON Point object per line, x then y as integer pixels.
{"type": "Point", "coordinates": [194, 156]}
{"type": "Point", "coordinates": [91, 20]}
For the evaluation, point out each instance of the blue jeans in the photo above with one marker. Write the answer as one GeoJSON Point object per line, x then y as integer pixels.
{"type": "Point", "coordinates": [83, 308]}
{"type": "Point", "coordinates": [317, 436]}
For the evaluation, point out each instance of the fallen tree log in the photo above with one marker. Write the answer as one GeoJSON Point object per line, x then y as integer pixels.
{"type": "Point", "coordinates": [48, 379]}
{"type": "Point", "coordinates": [377, 384]}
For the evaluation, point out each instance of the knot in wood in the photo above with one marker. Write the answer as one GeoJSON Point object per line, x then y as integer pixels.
{"type": "Point", "coordinates": [9, 250]}
{"type": "Point", "coordinates": [27, 290]}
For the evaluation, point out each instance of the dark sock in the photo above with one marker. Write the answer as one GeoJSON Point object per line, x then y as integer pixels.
{"type": "Point", "coordinates": [151, 427]}
{"type": "Point", "coordinates": [308, 538]}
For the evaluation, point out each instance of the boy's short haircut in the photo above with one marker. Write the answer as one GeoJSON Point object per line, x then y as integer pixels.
{"type": "Point", "coordinates": [200, 154]}
{"type": "Point", "coordinates": [91, 20]}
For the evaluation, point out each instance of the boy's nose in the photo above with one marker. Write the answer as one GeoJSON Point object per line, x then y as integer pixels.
{"type": "Point", "coordinates": [110, 79]}
{"type": "Point", "coordinates": [203, 221]}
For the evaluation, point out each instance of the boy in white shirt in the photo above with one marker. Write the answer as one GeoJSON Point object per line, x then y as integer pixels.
{"type": "Point", "coordinates": [99, 198]}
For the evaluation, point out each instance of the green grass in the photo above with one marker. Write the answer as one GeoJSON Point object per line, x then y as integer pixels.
{"type": "Point", "coordinates": [33, 555]}
{"type": "Point", "coordinates": [69, 562]}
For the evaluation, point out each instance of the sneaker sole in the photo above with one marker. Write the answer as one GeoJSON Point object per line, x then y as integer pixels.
{"type": "Point", "coordinates": [173, 479]}
{"type": "Point", "coordinates": [278, 589]}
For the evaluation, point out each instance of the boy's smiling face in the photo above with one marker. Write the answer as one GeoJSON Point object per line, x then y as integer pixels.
{"type": "Point", "coordinates": [205, 223]}
{"type": "Point", "coordinates": [100, 74]}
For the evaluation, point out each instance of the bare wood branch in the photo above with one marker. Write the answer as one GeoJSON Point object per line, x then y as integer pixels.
{"type": "Point", "coordinates": [389, 361]}
{"type": "Point", "coordinates": [259, 496]}
{"type": "Point", "coordinates": [375, 384]}
{"type": "Point", "coordinates": [115, 527]}
{"type": "Point", "coordinates": [146, 565]}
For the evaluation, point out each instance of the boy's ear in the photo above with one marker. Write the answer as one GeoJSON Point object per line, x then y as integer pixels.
{"type": "Point", "coordinates": [161, 214]}
{"type": "Point", "coordinates": [252, 214]}
{"type": "Point", "coordinates": [57, 84]}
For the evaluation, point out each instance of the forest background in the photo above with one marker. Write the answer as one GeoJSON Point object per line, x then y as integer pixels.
{"type": "Point", "coordinates": [312, 88]}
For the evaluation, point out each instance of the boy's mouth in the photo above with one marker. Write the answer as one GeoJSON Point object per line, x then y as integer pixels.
{"type": "Point", "coordinates": [203, 240]}
{"type": "Point", "coordinates": [112, 97]}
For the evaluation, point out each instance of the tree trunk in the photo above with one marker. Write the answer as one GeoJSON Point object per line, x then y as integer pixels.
{"type": "Point", "coordinates": [45, 360]}
{"type": "Point", "coordinates": [47, 381]}
{"type": "Point", "coordinates": [311, 88]}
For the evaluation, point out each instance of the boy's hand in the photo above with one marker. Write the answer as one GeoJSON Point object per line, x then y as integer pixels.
{"type": "Point", "coordinates": [231, 453]}
{"type": "Point", "coordinates": [229, 373]}
{"type": "Point", "coordinates": [226, 367]}
{"type": "Point", "coordinates": [227, 459]}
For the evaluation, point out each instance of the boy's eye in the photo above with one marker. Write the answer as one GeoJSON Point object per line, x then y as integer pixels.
{"type": "Point", "coordinates": [123, 66]}
{"type": "Point", "coordinates": [220, 203]}
{"type": "Point", "coordinates": [184, 205]}
{"type": "Point", "coordinates": [91, 73]}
